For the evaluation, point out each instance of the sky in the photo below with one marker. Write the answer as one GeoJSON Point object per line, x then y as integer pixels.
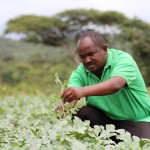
{"type": "Point", "coordinates": [10, 9]}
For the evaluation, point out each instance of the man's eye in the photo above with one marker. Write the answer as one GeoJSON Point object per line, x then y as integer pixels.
{"type": "Point", "coordinates": [81, 57]}
{"type": "Point", "coordinates": [91, 54]}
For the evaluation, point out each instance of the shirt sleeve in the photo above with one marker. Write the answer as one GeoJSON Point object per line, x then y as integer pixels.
{"type": "Point", "coordinates": [77, 78]}
{"type": "Point", "coordinates": [125, 67]}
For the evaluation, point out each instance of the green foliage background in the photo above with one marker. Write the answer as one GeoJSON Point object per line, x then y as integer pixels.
{"type": "Point", "coordinates": [32, 66]}
{"type": "Point", "coordinates": [29, 69]}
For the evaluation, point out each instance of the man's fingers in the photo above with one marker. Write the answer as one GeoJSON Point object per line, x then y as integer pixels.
{"type": "Point", "coordinates": [74, 102]}
{"type": "Point", "coordinates": [69, 98]}
{"type": "Point", "coordinates": [64, 93]}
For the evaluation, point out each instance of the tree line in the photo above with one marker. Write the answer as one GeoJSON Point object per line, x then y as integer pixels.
{"type": "Point", "coordinates": [63, 30]}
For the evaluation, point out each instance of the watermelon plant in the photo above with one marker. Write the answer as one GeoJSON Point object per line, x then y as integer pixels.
{"type": "Point", "coordinates": [36, 123]}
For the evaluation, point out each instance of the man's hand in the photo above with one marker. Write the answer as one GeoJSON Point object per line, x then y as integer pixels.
{"type": "Point", "coordinates": [71, 94]}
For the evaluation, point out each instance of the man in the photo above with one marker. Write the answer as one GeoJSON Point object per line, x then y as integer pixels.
{"type": "Point", "coordinates": [113, 86]}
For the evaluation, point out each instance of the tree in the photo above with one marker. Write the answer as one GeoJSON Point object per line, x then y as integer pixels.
{"type": "Point", "coordinates": [63, 29]}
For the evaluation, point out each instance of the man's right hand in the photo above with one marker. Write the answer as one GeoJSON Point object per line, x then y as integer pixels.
{"type": "Point", "coordinates": [72, 93]}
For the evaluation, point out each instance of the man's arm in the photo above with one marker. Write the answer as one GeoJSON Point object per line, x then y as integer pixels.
{"type": "Point", "coordinates": [107, 87]}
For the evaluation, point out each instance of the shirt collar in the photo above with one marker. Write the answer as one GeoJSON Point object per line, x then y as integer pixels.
{"type": "Point", "coordinates": [109, 59]}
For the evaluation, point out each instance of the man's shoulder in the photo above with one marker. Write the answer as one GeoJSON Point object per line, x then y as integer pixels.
{"type": "Point", "coordinates": [120, 54]}
{"type": "Point", "coordinates": [81, 68]}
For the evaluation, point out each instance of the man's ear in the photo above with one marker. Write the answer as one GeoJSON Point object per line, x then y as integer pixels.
{"type": "Point", "coordinates": [105, 49]}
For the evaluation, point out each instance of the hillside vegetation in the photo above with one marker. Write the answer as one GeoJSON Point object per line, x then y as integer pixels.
{"type": "Point", "coordinates": [63, 29]}
{"type": "Point", "coordinates": [28, 68]}
{"type": "Point", "coordinates": [29, 65]}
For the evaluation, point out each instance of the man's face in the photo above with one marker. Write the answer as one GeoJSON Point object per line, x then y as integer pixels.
{"type": "Point", "coordinates": [92, 57]}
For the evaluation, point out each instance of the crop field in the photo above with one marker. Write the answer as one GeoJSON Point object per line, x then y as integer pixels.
{"type": "Point", "coordinates": [32, 123]}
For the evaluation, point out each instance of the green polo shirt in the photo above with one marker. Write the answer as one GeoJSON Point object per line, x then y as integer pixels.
{"type": "Point", "coordinates": [132, 102]}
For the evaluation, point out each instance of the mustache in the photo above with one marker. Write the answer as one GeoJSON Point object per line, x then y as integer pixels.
{"type": "Point", "coordinates": [89, 64]}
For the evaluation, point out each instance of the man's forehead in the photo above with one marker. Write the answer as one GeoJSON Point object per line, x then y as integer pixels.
{"type": "Point", "coordinates": [86, 41]}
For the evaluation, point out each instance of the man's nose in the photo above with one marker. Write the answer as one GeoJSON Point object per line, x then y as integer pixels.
{"type": "Point", "coordinates": [87, 59]}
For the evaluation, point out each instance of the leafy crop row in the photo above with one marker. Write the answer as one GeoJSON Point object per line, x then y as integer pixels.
{"type": "Point", "coordinates": [32, 123]}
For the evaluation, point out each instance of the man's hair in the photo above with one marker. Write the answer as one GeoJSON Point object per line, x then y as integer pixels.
{"type": "Point", "coordinates": [95, 37]}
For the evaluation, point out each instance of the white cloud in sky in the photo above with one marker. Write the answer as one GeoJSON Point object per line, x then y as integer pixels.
{"type": "Point", "coordinates": [10, 9]}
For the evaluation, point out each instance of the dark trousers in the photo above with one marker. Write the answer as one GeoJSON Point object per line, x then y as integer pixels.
{"type": "Point", "coordinates": [97, 117]}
